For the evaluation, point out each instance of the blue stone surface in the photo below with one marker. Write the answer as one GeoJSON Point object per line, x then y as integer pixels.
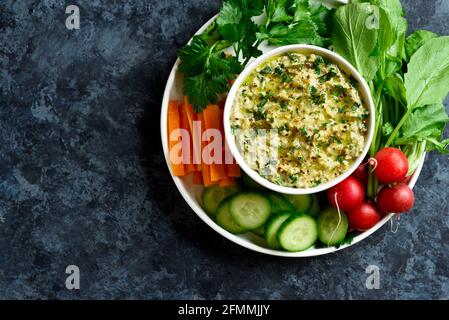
{"type": "Point", "coordinates": [83, 180]}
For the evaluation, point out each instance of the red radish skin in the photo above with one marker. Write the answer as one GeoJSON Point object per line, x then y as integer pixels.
{"type": "Point", "coordinates": [396, 199]}
{"type": "Point", "coordinates": [349, 193]}
{"type": "Point", "coordinates": [364, 217]}
{"type": "Point", "coordinates": [392, 165]}
{"type": "Point", "coordinates": [361, 173]}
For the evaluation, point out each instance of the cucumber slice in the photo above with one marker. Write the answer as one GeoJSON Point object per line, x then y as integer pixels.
{"type": "Point", "coordinates": [330, 232]}
{"type": "Point", "coordinates": [225, 220]}
{"type": "Point", "coordinates": [279, 203]}
{"type": "Point", "coordinates": [298, 233]}
{"type": "Point", "coordinates": [272, 226]}
{"type": "Point", "coordinates": [315, 209]}
{"type": "Point", "coordinates": [250, 210]}
{"type": "Point", "coordinates": [250, 184]}
{"type": "Point", "coordinates": [302, 202]}
{"type": "Point", "coordinates": [212, 197]}
{"type": "Point", "coordinates": [260, 231]}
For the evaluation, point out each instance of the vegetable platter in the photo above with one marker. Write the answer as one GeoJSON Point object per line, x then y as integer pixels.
{"type": "Point", "coordinates": [407, 76]}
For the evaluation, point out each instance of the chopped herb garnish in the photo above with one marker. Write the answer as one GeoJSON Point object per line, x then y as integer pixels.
{"type": "Point", "coordinates": [329, 75]}
{"type": "Point", "coordinates": [293, 57]}
{"type": "Point", "coordinates": [284, 105]}
{"type": "Point", "coordinates": [339, 90]}
{"type": "Point", "coordinates": [355, 106]}
{"type": "Point", "coordinates": [317, 63]}
{"type": "Point", "coordinates": [316, 97]}
{"type": "Point", "coordinates": [266, 70]}
{"type": "Point", "coordinates": [353, 81]}
{"type": "Point", "coordinates": [341, 158]}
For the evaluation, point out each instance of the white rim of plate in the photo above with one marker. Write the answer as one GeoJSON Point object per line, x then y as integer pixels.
{"type": "Point", "coordinates": [312, 252]}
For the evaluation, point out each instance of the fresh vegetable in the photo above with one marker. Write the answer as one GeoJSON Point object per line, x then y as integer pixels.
{"type": "Point", "coordinates": [213, 196]}
{"type": "Point", "coordinates": [392, 165]}
{"type": "Point", "coordinates": [212, 120]}
{"type": "Point", "coordinates": [315, 208]}
{"type": "Point", "coordinates": [361, 174]}
{"type": "Point", "coordinates": [408, 77]}
{"type": "Point", "coordinates": [332, 226]}
{"type": "Point", "coordinates": [302, 203]}
{"type": "Point", "coordinates": [174, 124]}
{"type": "Point", "coordinates": [208, 69]}
{"type": "Point", "coordinates": [396, 199]}
{"type": "Point", "coordinates": [279, 203]}
{"type": "Point", "coordinates": [346, 195]}
{"type": "Point", "coordinates": [212, 172]}
{"type": "Point", "coordinates": [224, 219]}
{"type": "Point", "coordinates": [272, 226]}
{"type": "Point", "coordinates": [298, 233]}
{"type": "Point", "coordinates": [363, 217]}
{"type": "Point", "coordinates": [250, 210]}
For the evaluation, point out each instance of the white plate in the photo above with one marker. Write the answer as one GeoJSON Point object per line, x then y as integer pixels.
{"type": "Point", "coordinates": [192, 193]}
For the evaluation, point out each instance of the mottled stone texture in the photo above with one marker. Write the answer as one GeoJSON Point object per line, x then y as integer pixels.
{"type": "Point", "coordinates": [83, 180]}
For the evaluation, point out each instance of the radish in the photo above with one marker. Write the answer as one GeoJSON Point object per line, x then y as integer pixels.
{"type": "Point", "coordinates": [361, 173]}
{"type": "Point", "coordinates": [397, 199]}
{"type": "Point", "coordinates": [346, 195]}
{"type": "Point", "coordinates": [363, 217]}
{"type": "Point", "coordinates": [391, 165]}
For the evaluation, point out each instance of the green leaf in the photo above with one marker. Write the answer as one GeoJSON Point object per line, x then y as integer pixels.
{"type": "Point", "coordinates": [299, 32]}
{"type": "Point", "coordinates": [276, 10]}
{"type": "Point", "coordinates": [355, 39]}
{"type": "Point", "coordinates": [425, 124]}
{"type": "Point", "coordinates": [228, 21]}
{"type": "Point", "coordinates": [394, 86]}
{"type": "Point", "coordinates": [427, 79]}
{"type": "Point", "coordinates": [416, 41]}
{"type": "Point", "coordinates": [193, 56]}
{"type": "Point", "coordinates": [203, 89]}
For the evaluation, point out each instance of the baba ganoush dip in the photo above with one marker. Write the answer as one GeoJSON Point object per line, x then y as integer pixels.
{"type": "Point", "coordinates": [315, 109]}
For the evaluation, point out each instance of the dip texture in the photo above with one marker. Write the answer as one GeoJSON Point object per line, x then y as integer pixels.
{"type": "Point", "coordinates": [316, 111]}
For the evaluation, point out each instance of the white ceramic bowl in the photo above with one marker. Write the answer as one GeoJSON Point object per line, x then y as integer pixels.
{"type": "Point", "coordinates": [347, 68]}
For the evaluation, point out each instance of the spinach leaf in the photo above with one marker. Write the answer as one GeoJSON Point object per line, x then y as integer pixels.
{"type": "Point", "coordinates": [426, 124]}
{"type": "Point", "coordinates": [416, 41]}
{"type": "Point", "coordinates": [427, 78]}
{"type": "Point", "coordinates": [354, 39]}
{"type": "Point", "coordinates": [394, 86]}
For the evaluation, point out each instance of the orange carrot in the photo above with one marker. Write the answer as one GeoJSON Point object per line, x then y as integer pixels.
{"type": "Point", "coordinates": [174, 124]}
{"type": "Point", "coordinates": [227, 182]}
{"type": "Point", "coordinates": [198, 178]}
{"type": "Point", "coordinates": [187, 145]}
{"type": "Point", "coordinates": [205, 168]}
{"type": "Point", "coordinates": [196, 147]}
{"type": "Point", "coordinates": [212, 120]}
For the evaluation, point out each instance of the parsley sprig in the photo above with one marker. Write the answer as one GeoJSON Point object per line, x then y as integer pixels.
{"type": "Point", "coordinates": [206, 63]}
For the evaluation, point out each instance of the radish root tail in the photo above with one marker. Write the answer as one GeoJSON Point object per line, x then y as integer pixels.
{"type": "Point", "coordinates": [339, 219]}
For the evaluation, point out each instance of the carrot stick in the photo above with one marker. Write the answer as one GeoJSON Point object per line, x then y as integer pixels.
{"type": "Point", "coordinates": [205, 168]}
{"type": "Point", "coordinates": [187, 145]}
{"type": "Point", "coordinates": [174, 124]}
{"type": "Point", "coordinates": [227, 182]}
{"type": "Point", "coordinates": [196, 145]}
{"type": "Point", "coordinates": [212, 120]}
